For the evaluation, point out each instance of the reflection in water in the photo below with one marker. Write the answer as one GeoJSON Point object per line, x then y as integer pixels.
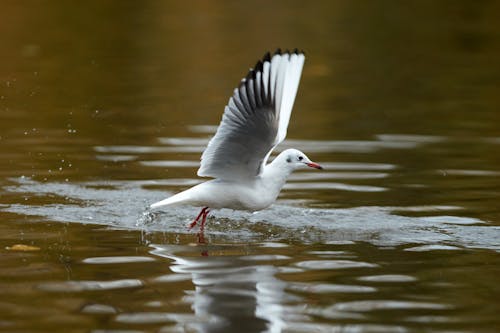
{"type": "Point", "coordinates": [233, 295]}
{"type": "Point", "coordinates": [400, 99]}
{"type": "Point", "coordinates": [238, 292]}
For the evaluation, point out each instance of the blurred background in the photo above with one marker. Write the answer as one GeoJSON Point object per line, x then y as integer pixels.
{"type": "Point", "coordinates": [106, 106]}
{"type": "Point", "coordinates": [124, 71]}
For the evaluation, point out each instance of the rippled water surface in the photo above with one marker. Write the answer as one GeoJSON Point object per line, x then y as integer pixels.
{"type": "Point", "coordinates": [106, 107]}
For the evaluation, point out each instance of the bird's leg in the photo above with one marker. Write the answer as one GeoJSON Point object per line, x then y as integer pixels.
{"type": "Point", "coordinates": [201, 233]}
{"type": "Point", "coordinates": [205, 214]}
{"type": "Point", "coordinates": [201, 238]}
{"type": "Point", "coordinates": [191, 226]}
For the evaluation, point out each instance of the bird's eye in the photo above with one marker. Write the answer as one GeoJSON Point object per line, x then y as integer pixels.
{"type": "Point", "coordinates": [301, 158]}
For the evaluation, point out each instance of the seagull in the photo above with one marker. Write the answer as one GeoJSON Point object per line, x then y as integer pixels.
{"type": "Point", "coordinates": [254, 122]}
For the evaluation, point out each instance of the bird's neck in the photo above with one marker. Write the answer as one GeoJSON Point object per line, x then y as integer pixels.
{"type": "Point", "coordinates": [276, 172]}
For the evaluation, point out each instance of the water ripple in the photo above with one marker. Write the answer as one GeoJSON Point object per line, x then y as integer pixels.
{"type": "Point", "coordinates": [171, 164]}
{"type": "Point", "coordinates": [73, 286]}
{"type": "Point", "coordinates": [209, 129]}
{"type": "Point", "coordinates": [357, 166]}
{"type": "Point", "coordinates": [324, 288]}
{"type": "Point", "coordinates": [375, 305]}
{"type": "Point", "coordinates": [184, 141]}
{"type": "Point", "coordinates": [433, 247]}
{"type": "Point", "coordinates": [410, 138]}
{"type": "Point", "coordinates": [117, 260]}
{"type": "Point", "coordinates": [173, 278]}
{"type": "Point", "coordinates": [452, 219]}
{"type": "Point", "coordinates": [116, 158]}
{"type": "Point", "coordinates": [333, 186]}
{"type": "Point", "coordinates": [390, 278]}
{"type": "Point", "coordinates": [333, 264]}
{"type": "Point", "coordinates": [154, 318]}
{"type": "Point", "coordinates": [99, 309]}
{"type": "Point", "coordinates": [433, 319]}
{"type": "Point", "coordinates": [337, 175]}
{"type": "Point", "coordinates": [343, 328]}
{"type": "Point", "coordinates": [478, 173]}
{"type": "Point", "coordinates": [148, 149]}
{"type": "Point", "coordinates": [265, 257]}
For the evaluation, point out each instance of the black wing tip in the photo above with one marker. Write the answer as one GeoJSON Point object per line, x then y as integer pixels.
{"type": "Point", "coordinates": [250, 75]}
{"type": "Point", "coordinates": [267, 56]}
{"type": "Point", "coordinates": [259, 66]}
{"type": "Point", "coordinates": [297, 51]}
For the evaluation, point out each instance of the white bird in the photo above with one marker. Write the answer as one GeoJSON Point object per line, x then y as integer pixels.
{"type": "Point", "coordinates": [254, 122]}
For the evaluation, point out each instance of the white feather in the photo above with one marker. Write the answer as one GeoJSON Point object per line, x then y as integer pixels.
{"type": "Point", "coordinates": [255, 120]}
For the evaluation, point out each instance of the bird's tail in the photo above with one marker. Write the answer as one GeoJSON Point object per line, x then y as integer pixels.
{"type": "Point", "coordinates": [175, 199]}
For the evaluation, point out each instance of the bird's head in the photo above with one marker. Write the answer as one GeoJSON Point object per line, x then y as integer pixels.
{"type": "Point", "coordinates": [296, 159]}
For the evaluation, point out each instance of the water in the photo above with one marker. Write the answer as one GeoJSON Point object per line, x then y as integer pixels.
{"type": "Point", "coordinates": [106, 108]}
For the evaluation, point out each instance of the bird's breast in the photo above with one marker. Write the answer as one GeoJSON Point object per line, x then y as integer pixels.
{"type": "Point", "coordinates": [251, 196]}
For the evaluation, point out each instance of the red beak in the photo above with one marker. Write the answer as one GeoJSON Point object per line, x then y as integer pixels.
{"type": "Point", "coordinates": [314, 165]}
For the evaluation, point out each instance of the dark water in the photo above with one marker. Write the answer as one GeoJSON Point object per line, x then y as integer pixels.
{"type": "Point", "coordinates": [105, 107]}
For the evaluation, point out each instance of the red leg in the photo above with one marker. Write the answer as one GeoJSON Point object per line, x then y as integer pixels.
{"type": "Point", "coordinates": [201, 239]}
{"type": "Point", "coordinates": [203, 220]}
{"type": "Point", "coordinates": [201, 234]}
{"type": "Point", "coordinates": [191, 226]}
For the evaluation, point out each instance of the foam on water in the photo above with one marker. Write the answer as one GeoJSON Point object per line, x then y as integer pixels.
{"type": "Point", "coordinates": [123, 204]}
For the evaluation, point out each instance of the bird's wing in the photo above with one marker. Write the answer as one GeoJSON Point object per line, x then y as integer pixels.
{"type": "Point", "coordinates": [255, 120]}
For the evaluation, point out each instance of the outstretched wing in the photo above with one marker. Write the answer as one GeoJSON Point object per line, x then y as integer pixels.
{"type": "Point", "coordinates": [255, 120]}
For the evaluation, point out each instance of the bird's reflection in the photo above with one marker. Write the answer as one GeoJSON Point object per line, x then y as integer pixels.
{"type": "Point", "coordinates": [233, 294]}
